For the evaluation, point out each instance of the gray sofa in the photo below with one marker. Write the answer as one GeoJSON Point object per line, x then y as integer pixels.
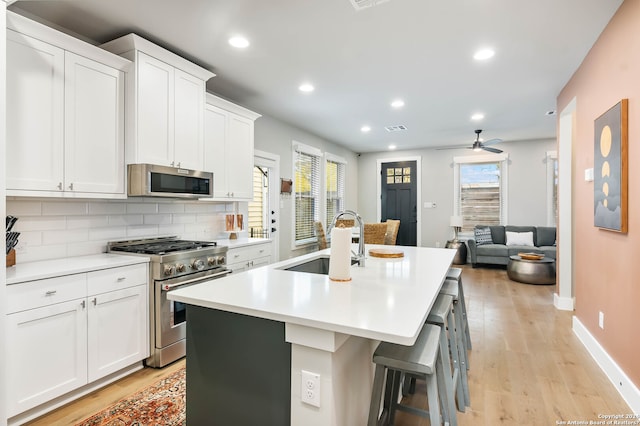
{"type": "Point", "coordinates": [497, 252]}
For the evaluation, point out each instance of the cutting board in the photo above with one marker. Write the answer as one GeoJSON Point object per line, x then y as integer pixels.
{"type": "Point", "coordinates": [388, 253]}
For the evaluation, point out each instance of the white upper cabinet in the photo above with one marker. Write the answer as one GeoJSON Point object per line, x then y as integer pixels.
{"type": "Point", "coordinates": [65, 115]}
{"type": "Point", "coordinates": [166, 111]}
{"type": "Point", "coordinates": [228, 148]}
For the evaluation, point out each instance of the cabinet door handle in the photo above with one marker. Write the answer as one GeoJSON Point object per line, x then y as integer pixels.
{"type": "Point", "coordinates": [94, 301]}
{"type": "Point", "coordinates": [178, 164]}
{"type": "Point", "coordinates": [71, 186]}
{"type": "Point", "coordinates": [51, 292]}
{"type": "Point", "coordinates": [172, 163]}
{"type": "Point", "coordinates": [60, 186]}
{"type": "Point", "coordinates": [236, 256]}
{"type": "Point", "coordinates": [83, 304]}
{"type": "Point", "coordinates": [120, 279]}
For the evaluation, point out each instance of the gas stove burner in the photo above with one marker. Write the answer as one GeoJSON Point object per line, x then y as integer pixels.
{"type": "Point", "coordinates": [164, 247]}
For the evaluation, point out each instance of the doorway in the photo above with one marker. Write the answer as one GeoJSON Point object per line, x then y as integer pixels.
{"type": "Point", "coordinates": [264, 212]}
{"type": "Point", "coordinates": [399, 189]}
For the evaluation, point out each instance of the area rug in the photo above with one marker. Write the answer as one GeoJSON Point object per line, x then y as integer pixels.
{"type": "Point", "coordinates": [162, 403]}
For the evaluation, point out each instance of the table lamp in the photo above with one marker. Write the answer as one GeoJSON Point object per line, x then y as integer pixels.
{"type": "Point", "coordinates": [456, 223]}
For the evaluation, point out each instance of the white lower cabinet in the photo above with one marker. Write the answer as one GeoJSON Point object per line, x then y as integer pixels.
{"type": "Point", "coordinates": [116, 330]}
{"type": "Point", "coordinates": [66, 332]}
{"type": "Point", "coordinates": [248, 257]}
{"type": "Point", "coordinates": [47, 354]}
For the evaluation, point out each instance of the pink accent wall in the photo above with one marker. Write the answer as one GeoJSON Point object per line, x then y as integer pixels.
{"type": "Point", "coordinates": [607, 264]}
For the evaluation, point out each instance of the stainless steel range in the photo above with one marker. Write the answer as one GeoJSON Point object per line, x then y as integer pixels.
{"type": "Point", "coordinates": [174, 263]}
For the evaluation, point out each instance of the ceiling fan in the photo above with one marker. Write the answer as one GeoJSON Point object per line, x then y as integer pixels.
{"type": "Point", "coordinates": [477, 145]}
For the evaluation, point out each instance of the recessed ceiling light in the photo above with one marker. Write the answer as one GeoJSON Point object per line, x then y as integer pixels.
{"type": "Point", "coordinates": [306, 87]}
{"type": "Point", "coordinates": [477, 117]}
{"type": "Point", "coordinates": [392, 147]}
{"type": "Point", "coordinates": [365, 129]}
{"type": "Point", "coordinates": [398, 103]}
{"type": "Point", "coordinates": [483, 54]}
{"type": "Point", "coordinates": [239, 42]}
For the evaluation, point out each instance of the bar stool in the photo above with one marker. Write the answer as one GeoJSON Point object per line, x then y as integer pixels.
{"type": "Point", "coordinates": [450, 287]}
{"type": "Point", "coordinates": [441, 314]}
{"type": "Point", "coordinates": [456, 274]}
{"type": "Point", "coordinates": [422, 360]}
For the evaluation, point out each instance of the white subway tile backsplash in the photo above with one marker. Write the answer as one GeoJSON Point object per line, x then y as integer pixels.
{"type": "Point", "coordinates": [142, 208]}
{"type": "Point", "coordinates": [64, 236]}
{"type": "Point", "coordinates": [64, 208]}
{"type": "Point", "coordinates": [54, 228]}
{"type": "Point", "coordinates": [24, 208]}
{"type": "Point", "coordinates": [107, 234]}
{"type": "Point", "coordinates": [40, 223]}
{"type": "Point", "coordinates": [109, 208]}
{"type": "Point", "coordinates": [157, 219]}
{"type": "Point", "coordinates": [170, 208]}
{"type": "Point", "coordinates": [78, 222]}
{"type": "Point", "coordinates": [184, 218]}
{"type": "Point", "coordinates": [126, 220]}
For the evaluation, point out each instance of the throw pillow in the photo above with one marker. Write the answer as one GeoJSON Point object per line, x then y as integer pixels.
{"type": "Point", "coordinates": [519, 238]}
{"type": "Point", "coordinates": [483, 236]}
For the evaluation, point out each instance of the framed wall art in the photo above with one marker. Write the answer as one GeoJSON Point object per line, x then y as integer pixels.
{"type": "Point", "coordinates": [610, 191]}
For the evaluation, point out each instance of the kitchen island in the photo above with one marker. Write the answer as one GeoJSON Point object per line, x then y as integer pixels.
{"type": "Point", "coordinates": [250, 336]}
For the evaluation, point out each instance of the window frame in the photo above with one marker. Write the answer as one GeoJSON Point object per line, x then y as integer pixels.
{"type": "Point", "coordinates": [503, 159]}
{"type": "Point", "coordinates": [317, 187]}
{"type": "Point", "coordinates": [341, 184]}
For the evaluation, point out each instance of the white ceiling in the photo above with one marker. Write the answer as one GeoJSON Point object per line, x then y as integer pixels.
{"type": "Point", "coordinates": [359, 61]}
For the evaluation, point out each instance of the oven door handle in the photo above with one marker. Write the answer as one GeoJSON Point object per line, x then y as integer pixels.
{"type": "Point", "coordinates": [167, 287]}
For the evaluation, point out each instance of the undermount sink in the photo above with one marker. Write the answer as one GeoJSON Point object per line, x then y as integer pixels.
{"type": "Point", "coordinates": [319, 265]}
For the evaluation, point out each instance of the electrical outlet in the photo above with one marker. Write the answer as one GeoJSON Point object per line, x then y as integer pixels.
{"type": "Point", "coordinates": [601, 319]}
{"type": "Point", "coordinates": [310, 388]}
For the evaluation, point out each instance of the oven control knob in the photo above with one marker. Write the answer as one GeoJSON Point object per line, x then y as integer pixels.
{"type": "Point", "coordinates": [221, 260]}
{"type": "Point", "coordinates": [169, 270]}
{"type": "Point", "coordinates": [211, 260]}
{"type": "Point", "coordinates": [180, 267]}
{"type": "Point", "coordinates": [197, 264]}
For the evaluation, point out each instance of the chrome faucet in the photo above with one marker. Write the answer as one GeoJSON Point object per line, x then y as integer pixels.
{"type": "Point", "coordinates": [360, 256]}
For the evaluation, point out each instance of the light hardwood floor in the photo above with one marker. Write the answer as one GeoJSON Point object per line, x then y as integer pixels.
{"type": "Point", "coordinates": [527, 366]}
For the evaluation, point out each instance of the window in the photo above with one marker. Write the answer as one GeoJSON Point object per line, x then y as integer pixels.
{"type": "Point", "coordinates": [480, 190]}
{"type": "Point", "coordinates": [335, 186]}
{"type": "Point", "coordinates": [306, 192]}
{"type": "Point", "coordinates": [552, 188]}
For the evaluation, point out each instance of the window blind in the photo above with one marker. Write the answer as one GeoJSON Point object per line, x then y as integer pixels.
{"type": "Point", "coordinates": [257, 207]}
{"type": "Point", "coordinates": [307, 195]}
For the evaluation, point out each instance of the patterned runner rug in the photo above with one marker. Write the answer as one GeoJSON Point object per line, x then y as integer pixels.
{"type": "Point", "coordinates": [162, 404]}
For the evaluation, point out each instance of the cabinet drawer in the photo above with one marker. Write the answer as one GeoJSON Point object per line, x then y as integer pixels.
{"type": "Point", "coordinates": [35, 294]}
{"type": "Point", "coordinates": [253, 252]}
{"type": "Point", "coordinates": [117, 278]}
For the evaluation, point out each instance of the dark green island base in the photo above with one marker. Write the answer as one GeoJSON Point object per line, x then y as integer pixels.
{"type": "Point", "coordinates": [238, 370]}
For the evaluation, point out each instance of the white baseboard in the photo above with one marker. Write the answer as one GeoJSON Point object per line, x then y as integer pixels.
{"type": "Point", "coordinates": [629, 392]}
{"type": "Point", "coordinates": [563, 303]}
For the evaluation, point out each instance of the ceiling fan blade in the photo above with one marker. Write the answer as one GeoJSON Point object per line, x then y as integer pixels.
{"type": "Point", "coordinates": [492, 141]}
{"type": "Point", "coordinates": [494, 150]}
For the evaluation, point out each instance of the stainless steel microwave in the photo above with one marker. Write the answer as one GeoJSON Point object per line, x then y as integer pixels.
{"type": "Point", "coordinates": [150, 180]}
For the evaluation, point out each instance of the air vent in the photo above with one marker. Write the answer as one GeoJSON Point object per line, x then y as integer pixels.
{"type": "Point", "coordinates": [399, 128]}
{"type": "Point", "coordinates": [363, 4]}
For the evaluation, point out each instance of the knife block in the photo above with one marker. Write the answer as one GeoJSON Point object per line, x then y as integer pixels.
{"type": "Point", "coordinates": [11, 258]}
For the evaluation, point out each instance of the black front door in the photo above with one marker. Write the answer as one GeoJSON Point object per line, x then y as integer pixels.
{"type": "Point", "coordinates": [399, 198]}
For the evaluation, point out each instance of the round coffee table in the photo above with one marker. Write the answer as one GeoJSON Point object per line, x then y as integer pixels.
{"type": "Point", "coordinates": [541, 271]}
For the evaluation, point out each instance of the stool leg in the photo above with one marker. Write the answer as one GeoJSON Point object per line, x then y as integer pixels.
{"type": "Point", "coordinates": [376, 395]}
{"type": "Point", "coordinates": [449, 411]}
{"type": "Point", "coordinates": [395, 389]}
{"type": "Point", "coordinates": [432, 394]}
{"type": "Point", "coordinates": [464, 314]}
{"type": "Point", "coordinates": [457, 365]}
{"type": "Point", "coordinates": [462, 353]}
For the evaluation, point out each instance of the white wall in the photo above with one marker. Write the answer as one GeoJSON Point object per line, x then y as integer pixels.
{"type": "Point", "coordinates": [275, 137]}
{"type": "Point", "coordinates": [526, 185]}
{"type": "Point", "coordinates": [3, 277]}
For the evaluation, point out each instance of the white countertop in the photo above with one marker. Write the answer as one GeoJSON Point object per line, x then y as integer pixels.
{"type": "Point", "coordinates": [30, 271]}
{"type": "Point", "coordinates": [388, 299]}
{"type": "Point", "coordinates": [242, 242]}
